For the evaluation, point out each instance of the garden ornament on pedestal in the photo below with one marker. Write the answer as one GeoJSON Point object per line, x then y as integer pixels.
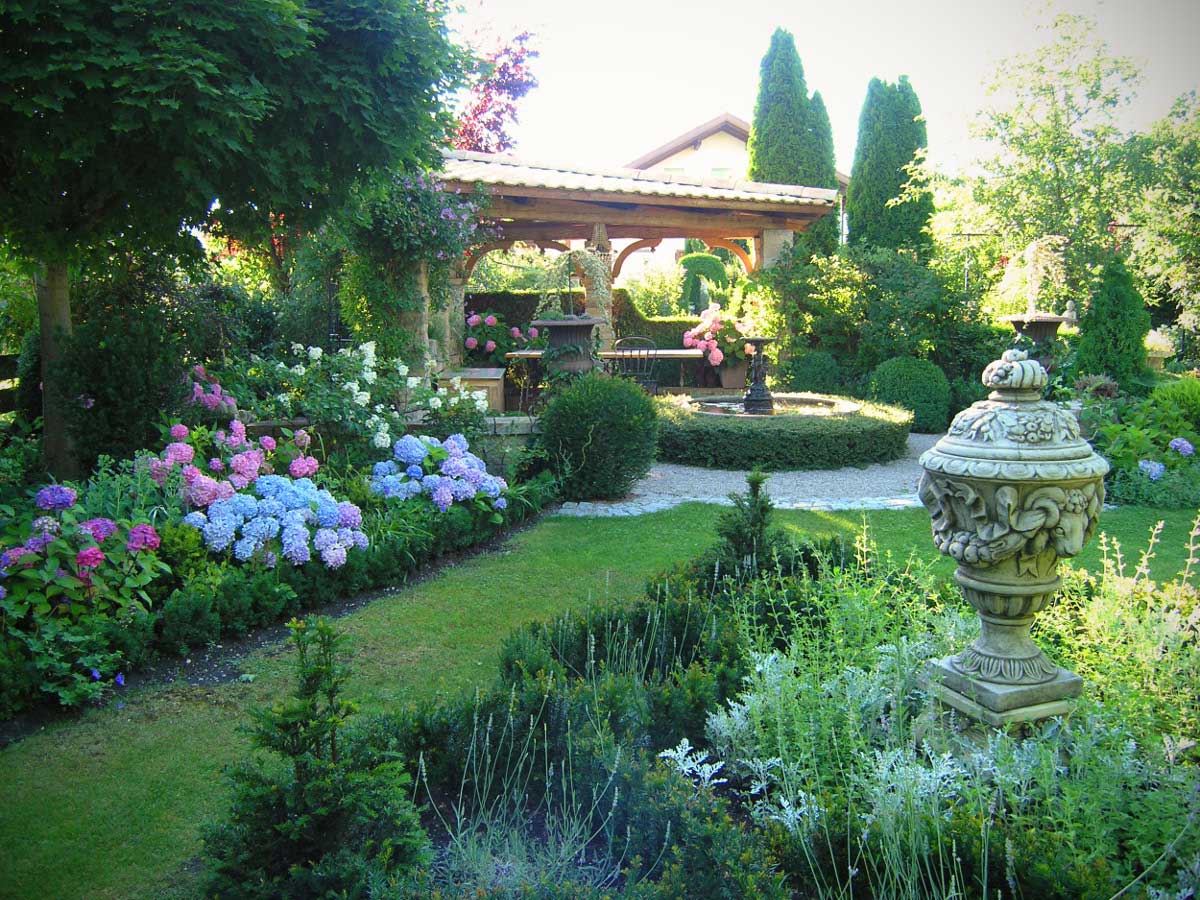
{"type": "Point", "coordinates": [1012, 488]}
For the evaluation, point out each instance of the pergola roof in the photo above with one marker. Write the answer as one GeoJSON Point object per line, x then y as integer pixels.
{"type": "Point", "coordinates": [540, 200]}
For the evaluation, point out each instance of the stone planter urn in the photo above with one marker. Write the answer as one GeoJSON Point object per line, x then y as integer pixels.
{"type": "Point", "coordinates": [1012, 489]}
{"type": "Point", "coordinates": [733, 374]}
{"type": "Point", "coordinates": [570, 343]}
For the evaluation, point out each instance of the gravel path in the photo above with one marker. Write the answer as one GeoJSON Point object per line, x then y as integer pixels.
{"type": "Point", "coordinates": [889, 486]}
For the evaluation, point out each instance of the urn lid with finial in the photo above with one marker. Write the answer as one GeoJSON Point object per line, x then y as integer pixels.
{"type": "Point", "coordinates": [1015, 434]}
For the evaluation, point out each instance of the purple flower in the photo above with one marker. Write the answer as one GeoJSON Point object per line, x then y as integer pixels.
{"type": "Point", "coordinates": [349, 515]}
{"type": "Point", "coordinates": [89, 557]}
{"type": "Point", "coordinates": [98, 529]}
{"type": "Point", "coordinates": [95, 674]}
{"type": "Point", "coordinates": [1151, 469]}
{"type": "Point", "coordinates": [334, 557]}
{"type": "Point", "coordinates": [1182, 446]}
{"type": "Point", "coordinates": [56, 498]}
{"type": "Point", "coordinates": [120, 679]}
{"type": "Point", "coordinates": [142, 537]}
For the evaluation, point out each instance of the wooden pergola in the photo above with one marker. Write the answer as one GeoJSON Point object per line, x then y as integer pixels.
{"type": "Point", "coordinates": [548, 205]}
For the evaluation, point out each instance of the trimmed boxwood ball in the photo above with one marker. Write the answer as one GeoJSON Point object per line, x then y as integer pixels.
{"type": "Point", "coordinates": [815, 371]}
{"type": "Point", "coordinates": [600, 434]}
{"type": "Point", "coordinates": [874, 434]}
{"type": "Point", "coordinates": [915, 384]}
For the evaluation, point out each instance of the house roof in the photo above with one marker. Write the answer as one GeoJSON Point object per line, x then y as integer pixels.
{"type": "Point", "coordinates": [516, 176]}
{"type": "Point", "coordinates": [725, 122]}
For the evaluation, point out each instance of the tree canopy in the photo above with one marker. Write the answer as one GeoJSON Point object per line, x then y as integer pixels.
{"type": "Point", "coordinates": [1060, 161]}
{"type": "Point", "coordinates": [128, 121]}
{"type": "Point", "coordinates": [891, 136]}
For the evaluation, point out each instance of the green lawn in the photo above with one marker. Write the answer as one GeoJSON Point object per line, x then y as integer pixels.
{"type": "Point", "coordinates": [109, 804]}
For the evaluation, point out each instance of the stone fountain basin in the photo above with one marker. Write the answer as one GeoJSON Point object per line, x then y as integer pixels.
{"type": "Point", "coordinates": [798, 404]}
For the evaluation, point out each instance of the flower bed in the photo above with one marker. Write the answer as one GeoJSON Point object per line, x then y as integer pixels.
{"type": "Point", "coordinates": [873, 434]}
{"type": "Point", "coordinates": [217, 534]}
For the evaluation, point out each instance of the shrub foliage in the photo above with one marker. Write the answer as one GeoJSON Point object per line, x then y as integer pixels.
{"type": "Point", "coordinates": [915, 384]}
{"type": "Point", "coordinates": [874, 434]}
{"type": "Point", "coordinates": [1113, 330]}
{"type": "Point", "coordinates": [600, 432]}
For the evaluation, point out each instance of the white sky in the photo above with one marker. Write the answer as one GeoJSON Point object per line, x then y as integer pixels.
{"type": "Point", "coordinates": [620, 77]}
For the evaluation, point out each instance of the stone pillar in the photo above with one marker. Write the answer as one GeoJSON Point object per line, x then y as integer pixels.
{"type": "Point", "coordinates": [416, 321]}
{"type": "Point", "coordinates": [769, 247]}
{"type": "Point", "coordinates": [1012, 488]}
{"type": "Point", "coordinates": [597, 292]}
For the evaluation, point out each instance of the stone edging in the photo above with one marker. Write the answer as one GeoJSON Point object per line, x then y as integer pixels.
{"type": "Point", "coordinates": [637, 506]}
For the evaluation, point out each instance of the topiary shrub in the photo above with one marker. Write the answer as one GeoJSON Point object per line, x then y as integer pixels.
{"type": "Point", "coordinates": [915, 384]}
{"type": "Point", "coordinates": [817, 371]}
{"type": "Point", "coordinates": [600, 434]}
{"type": "Point", "coordinates": [1184, 395]}
{"type": "Point", "coordinates": [872, 434]}
{"type": "Point", "coordinates": [1113, 331]}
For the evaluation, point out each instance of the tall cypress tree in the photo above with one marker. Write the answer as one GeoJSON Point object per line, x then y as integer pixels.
{"type": "Point", "coordinates": [819, 171]}
{"type": "Point", "coordinates": [890, 132]}
{"type": "Point", "coordinates": [779, 134]}
{"type": "Point", "coordinates": [791, 141]}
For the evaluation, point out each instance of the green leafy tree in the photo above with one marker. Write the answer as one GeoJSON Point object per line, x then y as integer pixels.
{"type": "Point", "coordinates": [891, 136]}
{"type": "Point", "coordinates": [123, 123]}
{"type": "Point", "coordinates": [1060, 161]}
{"type": "Point", "coordinates": [1165, 244]}
{"type": "Point", "coordinates": [1113, 330]}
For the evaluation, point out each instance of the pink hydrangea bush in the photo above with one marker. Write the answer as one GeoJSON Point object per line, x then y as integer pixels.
{"type": "Point", "coordinates": [719, 337]}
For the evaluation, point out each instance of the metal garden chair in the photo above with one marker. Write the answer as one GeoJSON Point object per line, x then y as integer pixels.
{"type": "Point", "coordinates": [635, 360]}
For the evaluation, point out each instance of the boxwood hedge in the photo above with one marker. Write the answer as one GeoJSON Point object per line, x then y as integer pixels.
{"type": "Point", "coordinates": [874, 434]}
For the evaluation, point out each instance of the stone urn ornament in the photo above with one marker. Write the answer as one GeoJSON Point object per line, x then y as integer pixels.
{"type": "Point", "coordinates": [1012, 489]}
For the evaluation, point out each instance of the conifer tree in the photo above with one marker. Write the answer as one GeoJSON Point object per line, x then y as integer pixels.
{"type": "Point", "coordinates": [890, 132]}
{"type": "Point", "coordinates": [791, 141]}
{"type": "Point", "coordinates": [819, 171]}
{"type": "Point", "coordinates": [1113, 330]}
{"type": "Point", "coordinates": [778, 134]}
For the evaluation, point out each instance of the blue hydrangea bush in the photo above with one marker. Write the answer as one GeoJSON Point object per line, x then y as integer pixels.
{"type": "Point", "coordinates": [288, 517]}
{"type": "Point", "coordinates": [443, 472]}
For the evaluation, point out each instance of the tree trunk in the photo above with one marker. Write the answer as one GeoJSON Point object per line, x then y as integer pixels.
{"type": "Point", "coordinates": [54, 314]}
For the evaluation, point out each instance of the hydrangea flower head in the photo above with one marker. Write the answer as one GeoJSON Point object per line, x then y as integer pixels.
{"type": "Point", "coordinates": [179, 432]}
{"type": "Point", "coordinates": [1152, 469]}
{"type": "Point", "coordinates": [1182, 446]}
{"type": "Point", "coordinates": [89, 557]}
{"type": "Point", "coordinates": [142, 537]}
{"type": "Point", "coordinates": [45, 525]}
{"type": "Point", "coordinates": [100, 529]}
{"type": "Point", "coordinates": [409, 450]}
{"type": "Point", "coordinates": [55, 497]}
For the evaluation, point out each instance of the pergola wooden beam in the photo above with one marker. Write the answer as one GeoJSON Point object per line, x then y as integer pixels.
{"type": "Point", "coordinates": [541, 231]}
{"type": "Point", "coordinates": [818, 206]}
{"type": "Point", "coordinates": [581, 212]}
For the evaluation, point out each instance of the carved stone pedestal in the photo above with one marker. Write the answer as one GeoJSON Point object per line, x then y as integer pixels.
{"type": "Point", "coordinates": [1011, 489]}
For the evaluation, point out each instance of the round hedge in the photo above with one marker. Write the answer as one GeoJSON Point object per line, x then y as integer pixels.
{"type": "Point", "coordinates": [915, 384]}
{"type": "Point", "coordinates": [815, 371]}
{"type": "Point", "coordinates": [873, 434]}
{"type": "Point", "coordinates": [600, 434]}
